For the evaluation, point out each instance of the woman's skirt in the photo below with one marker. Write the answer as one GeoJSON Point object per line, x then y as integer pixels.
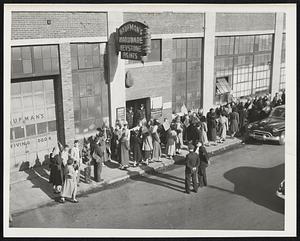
{"type": "Point", "coordinates": [124, 155]}
{"type": "Point", "coordinates": [171, 149]}
{"type": "Point", "coordinates": [156, 150]}
{"type": "Point", "coordinates": [69, 188]}
{"type": "Point", "coordinates": [234, 126]}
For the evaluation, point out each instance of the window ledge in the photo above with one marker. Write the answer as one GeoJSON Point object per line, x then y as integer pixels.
{"type": "Point", "coordinates": [140, 65]}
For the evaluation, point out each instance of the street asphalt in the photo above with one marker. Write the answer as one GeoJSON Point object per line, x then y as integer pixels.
{"type": "Point", "coordinates": [240, 196]}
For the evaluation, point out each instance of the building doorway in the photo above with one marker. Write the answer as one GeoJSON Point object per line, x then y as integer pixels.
{"type": "Point", "coordinates": [136, 104]}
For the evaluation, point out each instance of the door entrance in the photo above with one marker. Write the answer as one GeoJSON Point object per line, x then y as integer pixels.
{"type": "Point", "coordinates": [32, 123]}
{"type": "Point", "coordinates": [136, 105]}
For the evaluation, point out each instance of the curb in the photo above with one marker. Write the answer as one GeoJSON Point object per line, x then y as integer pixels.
{"type": "Point", "coordinates": [160, 166]}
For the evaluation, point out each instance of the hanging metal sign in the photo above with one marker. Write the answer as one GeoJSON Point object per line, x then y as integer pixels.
{"type": "Point", "coordinates": [134, 40]}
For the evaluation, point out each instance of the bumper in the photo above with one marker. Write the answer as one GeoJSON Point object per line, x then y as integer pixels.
{"type": "Point", "coordinates": [279, 194]}
{"type": "Point", "coordinates": [264, 137]}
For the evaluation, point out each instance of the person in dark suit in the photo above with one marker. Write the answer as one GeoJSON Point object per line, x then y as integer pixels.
{"type": "Point", "coordinates": [192, 162]}
{"type": "Point", "coordinates": [130, 117]}
{"type": "Point", "coordinates": [140, 115]}
{"type": "Point", "coordinates": [203, 158]}
{"type": "Point", "coordinates": [98, 156]}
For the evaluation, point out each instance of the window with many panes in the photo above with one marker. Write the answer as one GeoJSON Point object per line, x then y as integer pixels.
{"type": "Point", "coordinates": [90, 95]}
{"type": "Point", "coordinates": [282, 63]}
{"type": "Point", "coordinates": [154, 56]}
{"type": "Point", "coordinates": [34, 60]}
{"type": "Point", "coordinates": [187, 73]}
{"type": "Point", "coordinates": [32, 108]}
{"type": "Point", "coordinates": [246, 62]}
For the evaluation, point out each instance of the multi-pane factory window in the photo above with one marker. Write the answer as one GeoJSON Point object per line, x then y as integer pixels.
{"type": "Point", "coordinates": [282, 64]}
{"type": "Point", "coordinates": [245, 62]}
{"type": "Point", "coordinates": [90, 94]}
{"type": "Point", "coordinates": [187, 73]}
{"type": "Point", "coordinates": [34, 61]}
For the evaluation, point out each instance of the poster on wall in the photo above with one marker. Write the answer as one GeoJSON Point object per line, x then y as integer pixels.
{"type": "Point", "coordinates": [120, 114]}
{"type": "Point", "coordinates": [156, 113]}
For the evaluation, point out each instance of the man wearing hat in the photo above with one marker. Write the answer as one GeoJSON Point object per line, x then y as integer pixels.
{"type": "Point", "coordinates": [192, 163]}
{"type": "Point", "coordinates": [203, 164]}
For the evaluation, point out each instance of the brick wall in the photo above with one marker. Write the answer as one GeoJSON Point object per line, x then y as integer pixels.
{"type": "Point", "coordinates": [154, 81]}
{"type": "Point", "coordinates": [33, 25]}
{"type": "Point", "coordinates": [168, 22]}
{"type": "Point", "coordinates": [226, 22]}
{"type": "Point", "coordinates": [67, 93]}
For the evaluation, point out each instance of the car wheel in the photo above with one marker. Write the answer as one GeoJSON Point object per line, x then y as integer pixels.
{"type": "Point", "coordinates": [282, 138]}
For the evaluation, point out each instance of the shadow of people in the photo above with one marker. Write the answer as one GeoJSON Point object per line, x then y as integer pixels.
{"type": "Point", "coordinates": [169, 177]}
{"type": "Point", "coordinates": [39, 168]}
{"type": "Point", "coordinates": [41, 182]}
{"type": "Point", "coordinates": [111, 164]}
{"type": "Point", "coordinates": [258, 185]}
{"type": "Point", "coordinates": [159, 181]}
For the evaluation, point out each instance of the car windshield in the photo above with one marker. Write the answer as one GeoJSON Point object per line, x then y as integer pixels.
{"type": "Point", "coordinates": [278, 113]}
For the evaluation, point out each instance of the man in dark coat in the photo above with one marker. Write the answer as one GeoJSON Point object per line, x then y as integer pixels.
{"type": "Point", "coordinates": [87, 158]}
{"type": "Point", "coordinates": [203, 157]}
{"type": "Point", "coordinates": [140, 114]}
{"type": "Point", "coordinates": [98, 155]}
{"type": "Point", "coordinates": [192, 163]}
{"type": "Point", "coordinates": [130, 117]}
{"type": "Point", "coordinates": [283, 97]}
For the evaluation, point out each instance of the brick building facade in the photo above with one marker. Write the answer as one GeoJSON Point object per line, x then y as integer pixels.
{"type": "Point", "coordinates": [196, 59]}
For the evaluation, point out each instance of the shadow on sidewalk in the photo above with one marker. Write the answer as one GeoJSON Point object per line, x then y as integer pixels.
{"type": "Point", "coordinates": [40, 179]}
{"type": "Point", "coordinates": [160, 181]}
{"type": "Point", "coordinates": [258, 185]}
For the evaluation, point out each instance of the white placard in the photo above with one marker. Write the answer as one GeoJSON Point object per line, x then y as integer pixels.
{"type": "Point", "coordinates": [167, 105]}
{"type": "Point", "coordinates": [156, 102]}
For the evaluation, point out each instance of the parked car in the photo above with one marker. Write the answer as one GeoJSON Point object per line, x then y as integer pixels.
{"type": "Point", "coordinates": [271, 128]}
{"type": "Point", "coordinates": [280, 191]}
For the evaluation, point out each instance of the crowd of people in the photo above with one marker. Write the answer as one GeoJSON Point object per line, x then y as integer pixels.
{"type": "Point", "coordinates": [141, 141]}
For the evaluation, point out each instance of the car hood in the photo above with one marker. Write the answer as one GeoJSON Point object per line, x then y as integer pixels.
{"type": "Point", "coordinates": [269, 123]}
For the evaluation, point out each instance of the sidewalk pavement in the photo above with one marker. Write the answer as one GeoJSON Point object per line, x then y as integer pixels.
{"type": "Point", "coordinates": [30, 189]}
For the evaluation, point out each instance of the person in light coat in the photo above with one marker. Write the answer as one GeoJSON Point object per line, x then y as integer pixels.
{"type": "Point", "coordinates": [223, 122]}
{"type": "Point", "coordinates": [171, 142]}
{"type": "Point", "coordinates": [77, 157]}
{"type": "Point", "coordinates": [70, 185]}
{"type": "Point", "coordinates": [156, 142]}
{"type": "Point", "coordinates": [125, 146]}
{"type": "Point", "coordinates": [147, 142]}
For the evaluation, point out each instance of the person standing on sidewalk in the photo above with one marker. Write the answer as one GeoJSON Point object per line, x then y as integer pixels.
{"type": "Point", "coordinates": [115, 143]}
{"type": "Point", "coordinates": [107, 132]}
{"type": "Point", "coordinates": [156, 142]}
{"type": "Point", "coordinates": [86, 159]}
{"type": "Point", "coordinates": [234, 122]}
{"type": "Point", "coordinates": [203, 129]}
{"type": "Point", "coordinates": [211, 126]}
{"type": "Point", "coordinates": [77, 157]}
{"type": "Point", "coordinates": [171, 142]}
{"type": "Point", "coordinates": [97, 154]}
{"type": "Point", "coordinates": [179, 131]}
{"type": "Point", "coordinates": [125, 146]}
{"type": "Point", "coordinates": [223, 123]}
{"type": "Point", "coordinates": [57, 176]}
{"type": "Point", "coordinates": [147, 142]}
{"type": "Point", "coordinates": [191, 166]}
{"type": "Point", "coordinates": [203, 158]}
{"type": "Point", "coordinates": [70, 185]}
{"type": "Point", "coordinates": [136, 146]}
{"type": "Point", "coordinates": [65, 157]}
